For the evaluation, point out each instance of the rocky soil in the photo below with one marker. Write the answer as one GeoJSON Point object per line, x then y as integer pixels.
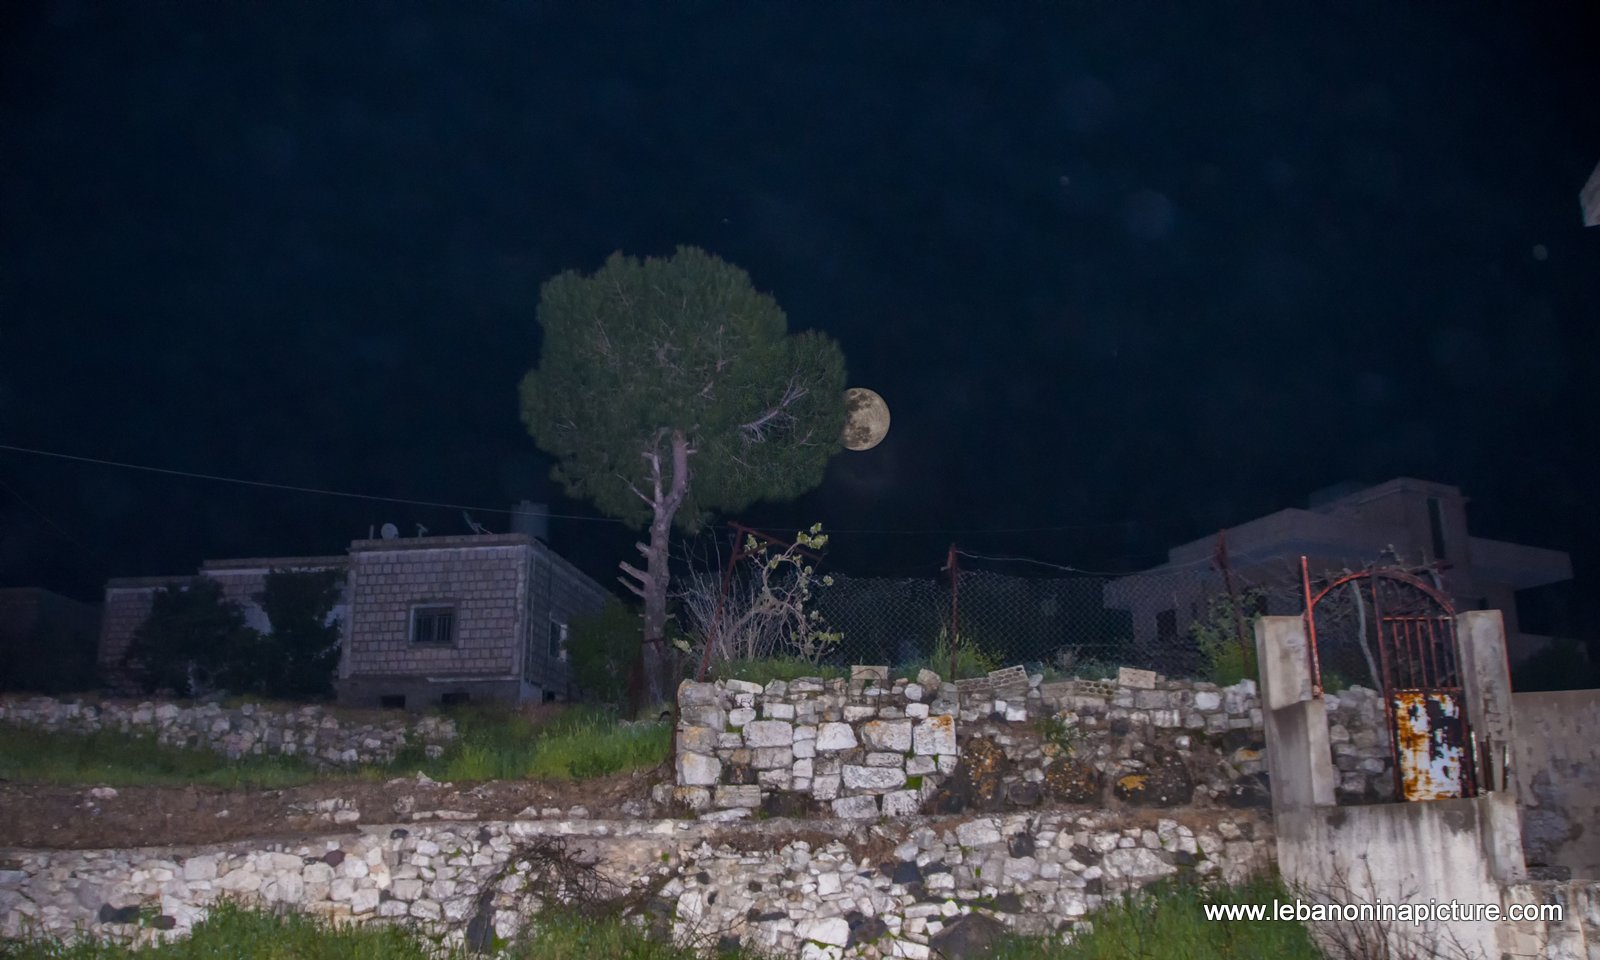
{"type": "Point", "coordinates": [89, 817]}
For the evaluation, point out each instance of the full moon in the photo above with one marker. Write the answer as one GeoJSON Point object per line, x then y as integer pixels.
{"type": "Point", "coordinates": [866, 419]}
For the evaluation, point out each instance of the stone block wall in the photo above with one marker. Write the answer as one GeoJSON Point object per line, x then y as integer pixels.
{"type": "Point", "coordinates": [874, 746]}
{"type": "Point", "coordinates": [313, 732]}
{"type": "Point", "coordinates": [819, 890]}
{"type": "Point", "coordinates": [850, 748]}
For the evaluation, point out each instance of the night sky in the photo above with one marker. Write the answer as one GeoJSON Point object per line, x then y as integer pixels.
{"type": "Point", "coordinates": [1131, 271]}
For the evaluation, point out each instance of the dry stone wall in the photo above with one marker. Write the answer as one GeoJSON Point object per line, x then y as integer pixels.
{"type": "Point", "coordinates": [875, 746]}
{"type": "Point", "coordinates": [812, 889]}
{"type": "Point", "coordinates": [319, 735]}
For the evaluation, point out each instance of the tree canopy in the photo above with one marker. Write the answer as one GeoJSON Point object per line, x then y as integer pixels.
{"type": "Point", "coordinates": [645, 348]}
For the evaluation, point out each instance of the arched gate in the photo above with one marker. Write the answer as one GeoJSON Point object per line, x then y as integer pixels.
{"type": "Point", "coordinates": [1412, 627]}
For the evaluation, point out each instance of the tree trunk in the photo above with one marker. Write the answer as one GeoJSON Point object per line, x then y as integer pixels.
{"type": "Point", "coordinates": [666, 496]}
{"type": "Point", "coordinates": [655, 610]}
{"type": "Point", "coordinates": [1361, 636]}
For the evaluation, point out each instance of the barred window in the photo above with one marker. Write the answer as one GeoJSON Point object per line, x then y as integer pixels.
{"type": "Point", "coordinates": [433, 625]}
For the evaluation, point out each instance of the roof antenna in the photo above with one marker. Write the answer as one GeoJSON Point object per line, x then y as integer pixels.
{"type": "Point", "coordinates": [421, 531]}
{"type": "Point", "coordinates": [472, 524]}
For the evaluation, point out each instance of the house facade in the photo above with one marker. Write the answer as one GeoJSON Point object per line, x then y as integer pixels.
{"type": "Point", "coordinates": [451, 619]}
{"type": "Point", "coordinates": [1348, 527]}
{"type": "Point", "coordinates": [424, 621]}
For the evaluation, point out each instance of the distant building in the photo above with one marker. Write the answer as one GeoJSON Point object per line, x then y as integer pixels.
{"type": "Point", "coordinates": [47, 641]}
{"type": "Point", "coordinates": [1349, 526]}
{"type": "Point", "coordinates": [424, 620]}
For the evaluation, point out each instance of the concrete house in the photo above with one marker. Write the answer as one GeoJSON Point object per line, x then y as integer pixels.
{"type": "Point", "coordinates": [1347, 526]}
{"type": "Point", "coordinates": [450, 619]}
{"type": "Point", "coordinates": [425, 621]}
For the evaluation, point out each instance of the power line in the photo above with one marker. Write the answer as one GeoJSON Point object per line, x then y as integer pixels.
{"type": "Point", "coordinates": [285, 486]}
{"type": "Point", "coordinates": [379, 498]}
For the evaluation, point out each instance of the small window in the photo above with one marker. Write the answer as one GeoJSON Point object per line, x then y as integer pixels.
{"type": "Point", "coordinates": [558, 640]}
{"type": "Point", "coordinates": [1167, 625]}
{"type": "Point", "coordinates": [392, 701]}
{"type": "Point", "coordinates": [433, 626]}
{"type": "Point", "coordinates": [454, 698]}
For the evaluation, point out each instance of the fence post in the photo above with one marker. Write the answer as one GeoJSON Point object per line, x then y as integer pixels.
{"type": "Point", "coordinates": [955, 609]}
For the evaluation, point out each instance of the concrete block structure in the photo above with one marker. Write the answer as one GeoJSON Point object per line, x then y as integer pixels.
{"type": "Point", "coordinates": [452, 619]}
{"type": "Point", "coordinates": [425, 621]}
{"type": "Point", "coordinates": [1346, 527]}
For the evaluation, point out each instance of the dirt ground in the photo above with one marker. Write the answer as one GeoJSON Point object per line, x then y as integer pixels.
{"type": "Point", "coordinates": [86, 817]}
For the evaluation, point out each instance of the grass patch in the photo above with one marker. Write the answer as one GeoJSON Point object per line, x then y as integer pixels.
{"type": "Point", "coordinates": [232, 931]}
{"type": "Point", "coordinates": [120, 759]}
{"type": "Point", "coordinates": [777, 668]}
{"type": "Point", "coordinates": [493, 743]}
{"type": "Point", "coordinates": [1167, 922]}
{"type": "Point", "coordinates": [573, 743]}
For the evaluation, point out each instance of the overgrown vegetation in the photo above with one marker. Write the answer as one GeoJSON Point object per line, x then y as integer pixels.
{"type": "Point", "coordinates": [967, 659]}
{"type": "Point", "coordinates": [776, 668]}
{"type": "Point", "coordinates": [1224, 637]}
{"type": "Point", "coordinates": [603, 649]}
{"type": "Point", "coordinates": [1057, 732]}
{"type": "Point", "coordinates": [764, 611]}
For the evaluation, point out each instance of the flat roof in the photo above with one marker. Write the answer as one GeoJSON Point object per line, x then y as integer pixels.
{"type": "Point", "coordinates": [466, 541]}
{"type": "Point", "coordinates": [281, 563]}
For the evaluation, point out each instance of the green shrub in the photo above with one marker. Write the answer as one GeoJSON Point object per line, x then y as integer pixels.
{"type": "Point", "coordinates": [1229, 657]}
{"type": "Point", "coordinates": [603, 648]}
{"type": "Point", "coordinates": [971, 659]}
{"type": "Point", "coordinates": [297, 660]}
{"type": "Point", "coordinates": [190, 640]}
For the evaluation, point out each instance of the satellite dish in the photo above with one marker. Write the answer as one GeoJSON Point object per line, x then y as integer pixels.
{"type": "Point", "coordinates": [866, 419]}
{"type": "Point", "coordinates": [389, 532]}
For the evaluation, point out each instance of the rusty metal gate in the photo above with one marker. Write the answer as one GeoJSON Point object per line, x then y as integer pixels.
{"type": "Point", "coordinates": [1412, 627]}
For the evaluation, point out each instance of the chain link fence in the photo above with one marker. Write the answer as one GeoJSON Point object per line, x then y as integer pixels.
{"type": "Point", "coordinates": [1189, 619]}
{"type": "Point", "coordinates": [1178, 623]}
